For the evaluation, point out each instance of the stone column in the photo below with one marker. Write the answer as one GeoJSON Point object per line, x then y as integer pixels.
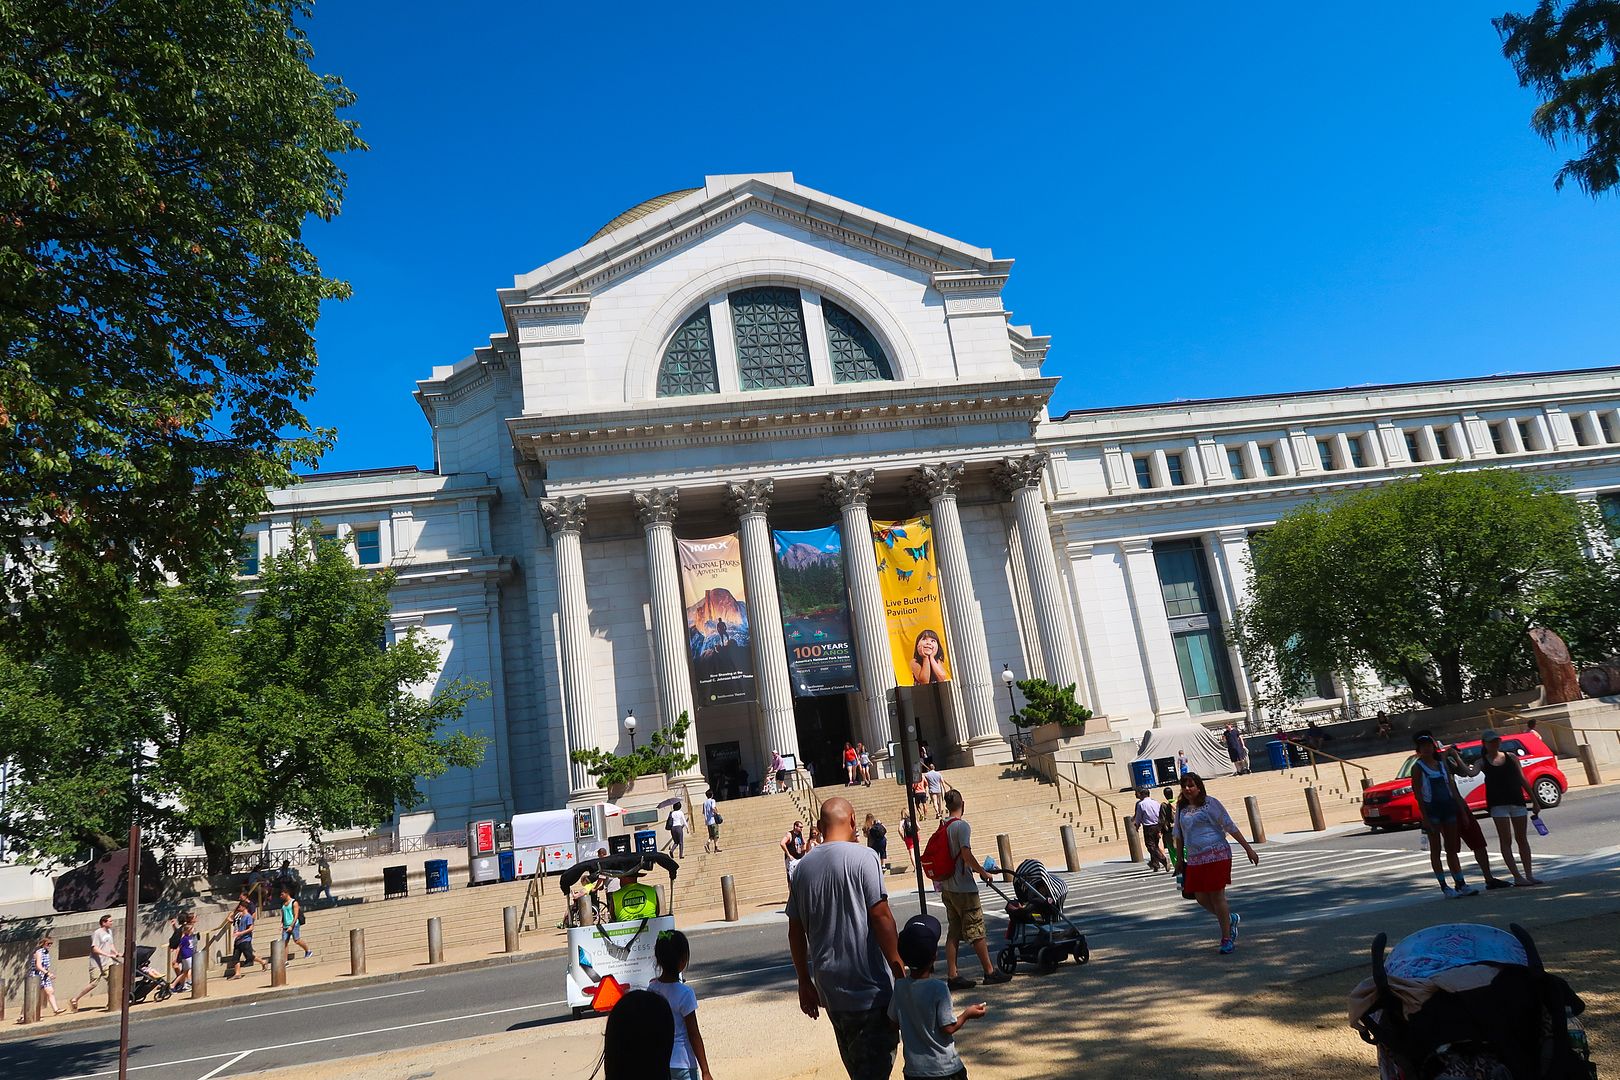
{"type": "Point", "coordinates": [1229, 550]}
{"type": "Point", "coordinates": [970, 666]}
{"type": "Point", "coordinates": [1021, 477]}
{"type": "Point", "coordinates": [656, 509]}
{"type": "Point", "coordinates": [565, 520]}
{"type": "Point", "coordinates": [751, 499]}
{"type": "Point", "coordinates": [1153, 634]}
{"type": "Point", "coordinates": [850, 492]}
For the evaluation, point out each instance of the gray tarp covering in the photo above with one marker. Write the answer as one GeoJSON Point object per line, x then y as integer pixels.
{"type": "Point", "coordinates": [1205, 750]}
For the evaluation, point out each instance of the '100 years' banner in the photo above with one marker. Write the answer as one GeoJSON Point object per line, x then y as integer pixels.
{"type": "Point", "coordinates": [909, 577]}
{"type": "Point", "coordinates": [717, 625]}
{"type": "Point", "coordinates": [815, 611]}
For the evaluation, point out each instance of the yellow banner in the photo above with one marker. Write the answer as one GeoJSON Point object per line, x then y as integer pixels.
{"type": "Point", "coordinates": [909, 576]}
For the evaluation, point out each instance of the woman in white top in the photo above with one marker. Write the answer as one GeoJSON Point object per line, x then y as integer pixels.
{"type": "Point", "coordinates": [1202, 826]}
{"type": "Point", "coordinates": [687, 1059]}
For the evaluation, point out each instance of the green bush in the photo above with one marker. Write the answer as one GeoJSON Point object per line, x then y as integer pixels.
{"type": "Point", "coordinates": [1045, 703]}
{"type": "Point", "coordinates": [664, 753]}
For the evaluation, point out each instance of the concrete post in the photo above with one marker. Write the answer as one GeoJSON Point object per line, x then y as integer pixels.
{"type": "Point", "coordinates": [435, 941]}
{"type": "Point", "coordinates": [1594, 775]}
{"type": "Point", "coordinates": [663, 899]}
{"type": "Point", "coordinates": [728, 897]}
{"type": "Point", "coordinates": [199, 972]}
{"type": "Point", "coordinates": [1133, 840]}
{"type": "Point", "coordinates": [30, 1004]}
{"type": "Point", "coordinates": [1257, 827]}
{"type": "Point", "coordinates": [278, 963]}
{"type": "Point", "coordinates": [1004, 853]}
{"type": "Point", "coordinates": [1313, 803]}
{"type": "Point", "coordinates": [509, 927]}
{"type": "Point", "coordinates": [582, 911]}
{"type": "Point", "coordinates": [357, 951]}
{"type": "Point", "coordinates": [114, 982]}
{"type": "Point", "coordinates": [1071, 853]}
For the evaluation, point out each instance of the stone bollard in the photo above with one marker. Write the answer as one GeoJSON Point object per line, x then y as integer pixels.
{"type": "Point", "coordinates": [357, 951]}
{"type": "Point", "coordinates": [728, 897]}
{"type": "Point", "coordinates": [1071, 853]}
{"type": "Point", "coordinates": [1256, 827]}
{"type": "Point", "coordinates": [583, 916]}
{"type": "Point", "coordinates": [1594, 775]}
{"type": "Point", "coordinates": [199, 973]}
{"type": "Point", "coordinates": [278, 963]}
{"type": "Point", "coordinates": [509, 927]}
{"type": "Point", "coordinates": [30, 1005]}
{"type": "Point", "coordinates": [1004, 853]}
{"type": "Point", "coordinates": [1133, 840]}
{"type": "Point", "coordinates": [1366, 781]}
{"type": "Point", "coordinates": [1313, 803]}
{"type": "Point", "coordinates": [435, 941]}
{"type": "Point", "coordinates": [114, 980]}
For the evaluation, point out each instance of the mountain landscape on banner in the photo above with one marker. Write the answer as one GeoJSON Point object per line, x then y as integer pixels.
{"type": "Point", "coordinates": [719, 607]}
{"type": "Point", "coordinates": [815, 611]}
{"type": "Point", "coordinates": [799, 556]}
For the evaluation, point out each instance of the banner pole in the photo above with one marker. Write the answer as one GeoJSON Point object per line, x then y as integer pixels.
{"type": "Point", "coordinates": [902, 698]}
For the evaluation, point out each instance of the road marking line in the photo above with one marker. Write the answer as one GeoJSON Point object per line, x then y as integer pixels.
{"type": "Point", "coordinates": [210, 1074]}
{"type": "Point", "coordinates": [328, 1005]}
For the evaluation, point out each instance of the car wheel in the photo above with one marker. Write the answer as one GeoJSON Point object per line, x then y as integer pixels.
{"type": "Point", "coordinates": [1007, 961]}
{"type": "Point", "coordinates": [1548, 793]}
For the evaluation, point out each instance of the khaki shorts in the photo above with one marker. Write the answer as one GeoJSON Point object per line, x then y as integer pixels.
{"type": "Point", "coordinates": [965, 915]}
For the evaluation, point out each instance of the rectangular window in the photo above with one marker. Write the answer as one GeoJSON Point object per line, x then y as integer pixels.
{"type": "Point", "coordinates": [1144, 472]}
{"type": "Point", "coordinates": [1172, 467]}
{"type": "Point", "coordinates": [1583, 435]}
{"type": "Point", "coordinates": [1358, 457]}
{"type": "Point", "coordinates": [1413, 450]}
{"type": "Point", "coordinates": [368, 547]}
{"type": "Point", "coordinates": [1234, 462]}
{"type": "Point", "coordinates": [1498, 440]}
{"type": "Point", "coordinates": [247, 557]}
{"type": "Point", "coordinates": [1606, 425]}
{"type": "Point", "coordinates": [1525, 433]}
{"type": "Point", "coordinates": [1268, 460]}
{"type": "Point", "coordinates": [1324, 454]}
{"type": "Point", "coordinates": [1195, 629]}
{"type": "Point", "coordinates": [1442, 444]}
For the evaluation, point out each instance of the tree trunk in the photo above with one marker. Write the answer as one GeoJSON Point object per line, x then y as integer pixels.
{"type": "Point", "coordinates": [1421, 683]}
{"type": "Point", "coordinates": [217, 847]}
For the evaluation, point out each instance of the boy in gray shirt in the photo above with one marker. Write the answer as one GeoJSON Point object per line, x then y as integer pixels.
{"type": "Point", "coordinates": [921, 1008]}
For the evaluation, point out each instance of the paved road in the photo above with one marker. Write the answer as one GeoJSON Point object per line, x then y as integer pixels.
{"type": "Point", "coordinates": [1112, 902]}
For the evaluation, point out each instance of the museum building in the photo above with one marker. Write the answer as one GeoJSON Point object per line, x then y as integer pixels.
{"type": "Point", "coordinates": [753, 360]}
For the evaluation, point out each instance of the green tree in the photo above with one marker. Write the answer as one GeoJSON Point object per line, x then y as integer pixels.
{"type": "Point", "coordinates": [664, 753]}
{"type": "Point", "coordinates": [1567, 51]}
{"type": "Point", "coordinates": [1048, 703]}
{"type": "Point", "coordinates": [1432, 582]}
{"type": "Point", "coordinates": [157, 300]}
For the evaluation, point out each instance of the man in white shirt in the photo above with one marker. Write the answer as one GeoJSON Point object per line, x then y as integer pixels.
{"type": "Point", "coordinates": [1146, 820]}
{"type": "Point", "coordinates": [103, 955]}
{"type": "Point", "coordinates": [711, 818]}
{"type": "Point", "coordinates": [936, 791]}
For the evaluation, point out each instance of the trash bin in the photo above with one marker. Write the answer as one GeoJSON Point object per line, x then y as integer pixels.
{"type": "Point", "coordinates": [1298, 754]}
{"type": "Point", "coordinates": [508, 862]}
{"type": "Point", "coordinates": [1142, 773]}
{"type": "Point", "coordinates": [394, 882]}
{"type": "Point", "coordinates": [1166, 766]}
{"type": "Point", "coordinates": [483, 869]}
{"type": "Point", "coordinates": [1277, 751]}
{"type": "Point", "coordinates": [646, 840]}
{"type": "Point", "coordinates": [436, 874]}
{"type": "Point", "coordinates": [618, 845]}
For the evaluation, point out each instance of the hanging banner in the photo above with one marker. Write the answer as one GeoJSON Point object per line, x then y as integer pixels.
{"type": "Point", "coordinates": [909, 577]}
{"type": "Point", "coordinates": [815, 611]}
{"type": "Point", "coordinates": [716, 619]}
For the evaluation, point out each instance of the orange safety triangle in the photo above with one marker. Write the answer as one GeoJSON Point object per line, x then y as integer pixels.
{"type": "Point", "coordinates": [607, 994]}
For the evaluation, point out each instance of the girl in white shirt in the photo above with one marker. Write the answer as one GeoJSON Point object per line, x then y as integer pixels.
{"type": "Point", "coordinates": [687, 1060]}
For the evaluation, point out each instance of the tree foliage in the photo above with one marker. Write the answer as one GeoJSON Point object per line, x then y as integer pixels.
{"type": "Point", "coordinates": [665, 752]}
{"type": "Point", "coordinates": [293, 711]}
{"type": "Point", "coordinates": [157, 300]}
{"type": "Point", "coordinates": [1048, 703]}
{"type": "Point", "coordinates": [1569, 52]}
{"type": "Point", "coordinates": [1432, 582]}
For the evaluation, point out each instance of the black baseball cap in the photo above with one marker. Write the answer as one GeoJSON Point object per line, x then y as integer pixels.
{"type": "Point", "coordinates": [919, 940]}
{"type": "Point", "coordinates": [1422, 737]}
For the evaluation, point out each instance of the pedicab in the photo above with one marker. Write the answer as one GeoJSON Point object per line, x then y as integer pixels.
{"type": "Point", "coordinates": [613, 952]}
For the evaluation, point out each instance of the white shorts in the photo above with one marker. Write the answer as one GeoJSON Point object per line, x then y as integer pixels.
{"type": "Point", "coordinates": [1509, 812]}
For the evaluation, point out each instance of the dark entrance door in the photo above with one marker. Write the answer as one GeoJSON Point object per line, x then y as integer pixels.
{"type": "Point", "coordinates": [823, 726]}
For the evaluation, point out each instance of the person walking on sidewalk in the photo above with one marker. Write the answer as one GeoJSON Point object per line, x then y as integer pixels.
{"type": "Point", "coordinates": [676, 824]}
{"type": "Point", "coordinates": [793, 848]}
{"type": "Point", "coordinates": [39, 969]}
{"type": "Point", "coordinates": [1202, 826]}
{"type": "Point", "coordinates": [845, 945]}
{"type": "Point", "coordinates": [292, 917]}
{"type": "Point", "coordinates": [1146, 820]}
{"type": "Point", "coordinates": [688, 1060]}
{"type": "Point", "coordinates": [936, 791]}
{"type": "Point", "coordinates": [877, 838]}
{"type": "Point", "coordinates": [242, 943]}
{"type": "Point", "coordinates": [185, 954]}
{"type": "Point", "coordinates": [922, 1009]}
{"type": "Point", "coordinates": [1439, 805]}
{"type": "Point", "coordinates": [960, 894]}
{"type": "Point", "coordinates": [711, 821]}
{"type": "Point", "coordinates": [1469, 834]}
{"type": "Point", "coordinates": [1506, 793]}
{"type": "Point", "coordinates": [103, 955]}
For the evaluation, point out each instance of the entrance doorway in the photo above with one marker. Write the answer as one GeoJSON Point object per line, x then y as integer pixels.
{"type": "Point", "coordinates": [823, 724]}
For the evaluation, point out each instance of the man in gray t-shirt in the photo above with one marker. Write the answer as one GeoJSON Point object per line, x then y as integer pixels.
{"type": "Point", "coordinates": [960, 892]}
{"type": "Point", "coordinates": [844, 943]}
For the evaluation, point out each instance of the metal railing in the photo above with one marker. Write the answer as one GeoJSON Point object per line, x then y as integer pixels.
{"type": "Point", "coordinates": [1517, 717]}
{"type": "Point", "coordinates": [363, 847]}
{"type": "Point", "coordinates": [1312, 754]}
{"type": "Point", "coordinates": [1115, 828]}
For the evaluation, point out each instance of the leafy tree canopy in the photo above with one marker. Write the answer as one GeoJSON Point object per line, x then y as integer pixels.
{"type": "Point", "coordinates": [1569, 52]}
{"type": "Point", "coordinates": [664, 753]}
{"type": "Point", "coordinates": [1432, 582]}
{"type": "Point", "coordinates": [1048, 703]}
{"type": "Point", "coordinates": [157, 300]}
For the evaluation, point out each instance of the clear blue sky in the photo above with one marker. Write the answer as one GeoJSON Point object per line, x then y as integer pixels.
{"type": "Point", "coordinates": [1208, 200]}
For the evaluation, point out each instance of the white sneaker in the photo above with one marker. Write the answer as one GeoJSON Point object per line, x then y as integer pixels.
{"type": "Point", "coordinates": [1448, 892]}
{"type": "Point", "coordinates": [1466, 890]}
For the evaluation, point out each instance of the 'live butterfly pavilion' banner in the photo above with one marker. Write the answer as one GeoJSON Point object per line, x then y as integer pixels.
{"type": "Point", "coordinates": [717, 630]}
{"type": "Point", "coordinates": [815, 611]}
{"type": "Point", "coordinates": [909, 577]}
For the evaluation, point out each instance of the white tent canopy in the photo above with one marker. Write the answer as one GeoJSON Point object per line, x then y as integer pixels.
{"type": "Point", "coordinates": [1205, 749]}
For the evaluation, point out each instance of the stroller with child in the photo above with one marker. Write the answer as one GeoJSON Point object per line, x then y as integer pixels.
{"type": "Point", "coordinates": [145, 979]}
{"type": "Point", "coordinates": [1038, 932]}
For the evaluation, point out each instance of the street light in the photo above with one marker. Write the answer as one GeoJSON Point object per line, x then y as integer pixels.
{"type": "Point", "coordinates": [630, 727]}
{"type": "Point", "coordinates": [1007, 679]}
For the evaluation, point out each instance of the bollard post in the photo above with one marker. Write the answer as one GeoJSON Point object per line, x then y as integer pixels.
{"type": "Point", "coordinates": [435, 941]}
{"type": "Point", "coordinates": [1256, 827]}
{"type": "Point", "coordinates": [31, 995]}
{"type": "Point", "coordinates": [278, 963]}
{"type": "Point", "coordinates": [1004, 853]}
{"type": "Point", "coordinates": [114, 976]}
{"type": "Point", "coordinates": [1366, 781]}
{"type": "Point", "coordinates": [199, 972]}
{"type": "Point", "coordinates": [509, 927]}
{"type": "Point", "coordinates": [583, 916]}
{"type": "Point", "coordinates": [1133, 840]}
{"type": "Point", "coordinates": [1071, 853]}
{"type": "Point", "coordinates": [663, 899]}
{"type": "Point", "coordinates": [728, 897]}
{"type": "Point", "coordinates": [1594, 775]}
{"type": "Point", "coordinates": [357, 951]}
{"type": "Point", "coordinates": [1313, 803]}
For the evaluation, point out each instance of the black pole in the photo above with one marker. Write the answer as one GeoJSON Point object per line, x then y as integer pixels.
{"type": "Point", "coordinates": [911, 802]}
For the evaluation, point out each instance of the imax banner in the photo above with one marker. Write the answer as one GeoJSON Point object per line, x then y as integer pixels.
{"type": "Point", "coordinates": [716, 619]}
{"type": "Point", "coordinates": [815, 611]}
{"type": "Point", "coordinates": [909, 577]}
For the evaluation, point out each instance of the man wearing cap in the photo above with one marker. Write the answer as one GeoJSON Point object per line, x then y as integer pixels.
{"type": "Point", "coordinates": [922, 1009]}
{"type": "Point", "coordinates": [844, 943]}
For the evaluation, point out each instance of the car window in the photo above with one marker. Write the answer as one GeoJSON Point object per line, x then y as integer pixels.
{"type": "Point", "coordinates": [1514, 746]}
{"type": "Point", "coordinates": [1472, 754]}
{"type": "Point", "coordinates": [1406, 768]}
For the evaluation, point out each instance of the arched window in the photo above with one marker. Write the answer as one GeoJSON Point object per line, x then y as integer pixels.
{"type": "Point", "coordinates": [856, 354]}
{"type": "Point", "coordinates": [688, 366]}
{"type": "Point", "coordinates": [768, 325]}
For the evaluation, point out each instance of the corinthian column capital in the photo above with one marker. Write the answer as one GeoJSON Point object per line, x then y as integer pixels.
{"type": "Point", "coordinates": [938, 481]}
{"type": "Point", "coordinates": [564, 514]}
{"type": "Point", "coordinates": [657, 506]}
{"type": "Point", "coordinates": [1024, 472]}
{"type": "Point", "coordinates": [851, 488]}
{"type": "Point", "coordinates": [750, 496]}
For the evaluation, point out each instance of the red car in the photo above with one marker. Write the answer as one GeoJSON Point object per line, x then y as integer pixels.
{"type": "Point", "coordinates": [1392, 805]}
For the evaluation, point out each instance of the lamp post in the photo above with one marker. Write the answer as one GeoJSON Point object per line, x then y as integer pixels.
{"type": "Point", "coordinates": [630, 727]}
{"type": "Point", "coordinates": [1007, 679]}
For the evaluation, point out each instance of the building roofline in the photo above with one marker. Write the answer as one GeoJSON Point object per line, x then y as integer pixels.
{"type": "Point", "coordinates": [366, 474]}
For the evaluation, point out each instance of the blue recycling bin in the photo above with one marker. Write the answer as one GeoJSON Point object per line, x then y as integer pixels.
{"type": "Point", "coordinates": [1142, 773]}
{"type": "Point", "coordinates": [646, 840]}
{"type": "Point", "coordinates": [508, 865]}
{"type": "Point", "coordinates": [437, 873]}
{"type": "Point", "coordinates": [1277, 751]}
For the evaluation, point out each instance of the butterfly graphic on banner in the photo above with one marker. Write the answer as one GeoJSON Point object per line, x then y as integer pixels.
{"type": "Point", "coordinates": [903, 575]}
{"type": "Point", "coordinates": [889, 534]}
{"type": "Point", "coordinates": [919, 554]}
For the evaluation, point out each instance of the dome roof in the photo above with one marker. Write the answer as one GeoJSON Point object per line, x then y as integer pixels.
{"type": "Point", "coordinates": [641, 210]}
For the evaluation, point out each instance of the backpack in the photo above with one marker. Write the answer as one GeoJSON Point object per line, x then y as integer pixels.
{"type": "Point", "coordinates": [937, 861]}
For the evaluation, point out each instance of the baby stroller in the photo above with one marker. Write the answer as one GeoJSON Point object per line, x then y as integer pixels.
{"type": "Point", "coordinates": [1462, 1000]}
{"type": "Point", "coordinates": [1037, 930]}
{"type": "Point", "coordinates": [145, 979]}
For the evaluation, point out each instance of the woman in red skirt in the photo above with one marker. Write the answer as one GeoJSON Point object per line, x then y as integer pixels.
{"type": "Point", "coordinates": [1202, 826]}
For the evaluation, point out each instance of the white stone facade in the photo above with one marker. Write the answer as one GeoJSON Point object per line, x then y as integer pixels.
{"type": "Point", "coordinates": [534, 550]}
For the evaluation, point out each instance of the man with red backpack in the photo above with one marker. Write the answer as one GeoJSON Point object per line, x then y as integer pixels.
{"type": "Point", "coordinates": [948, 859]}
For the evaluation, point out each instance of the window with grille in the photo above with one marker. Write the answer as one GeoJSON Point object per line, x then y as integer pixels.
{"type": "Point", "coordinates": [1172, 468]}
{"type": "Point", "coordinates": [768, 325]}
{"type": "Point", "coordinates": [1498, 441]}
{"type": "Point", "coordinates": [247, 557]}
{"type": "Point", "coordinates": [368, 547]}
{"type": "Point", "coordinates": [1234, 462]}
{"type": "Point", "coordinates": [1268, 460]}
{"type": "Point", "coordinates": [1195, 627]}
{"type": "Point", "coordinates": [1324, 454]}
{"type": "Point", "coordinates": [1358, 455]}
{"type": "Point", "coordinates": [1413, 450]}
{"type": "Point", "coordinates": [689, 365]}
{"type": "Point", "coordinates": [1606, 425]}
{"type": "Point", "coordinates": [1442, 444]}
{"type": "Point", "coordinates": [1144, 472]}
{"type": "Point", "coordinates": [856, 354]}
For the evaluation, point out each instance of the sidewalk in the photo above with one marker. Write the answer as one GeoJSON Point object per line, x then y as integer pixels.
{"type": "Point", "coordinates": [1275, 1009]}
